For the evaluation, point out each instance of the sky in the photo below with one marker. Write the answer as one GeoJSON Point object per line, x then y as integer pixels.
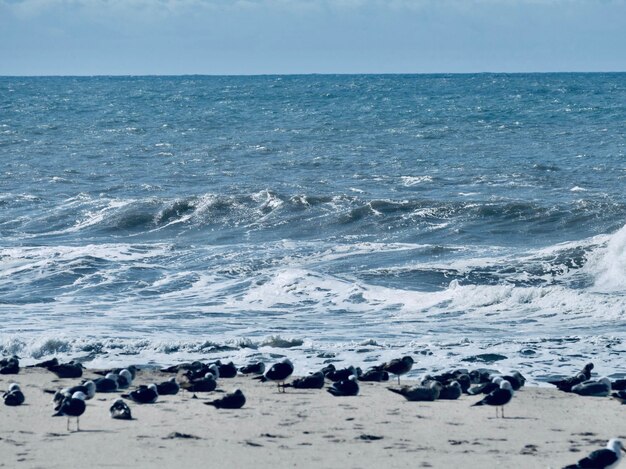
{"type": "Point", "coordinates": [249, 37]}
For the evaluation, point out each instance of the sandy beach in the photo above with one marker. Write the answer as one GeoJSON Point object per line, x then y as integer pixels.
{"type": "Point", "coordinates": [543, 428]}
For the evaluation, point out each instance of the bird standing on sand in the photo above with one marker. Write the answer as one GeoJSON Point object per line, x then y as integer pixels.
{"type": "Point", "coordinates": [346, 387]}
{"type": "Point", "coordinates": [398, 366]}
{"type": "Point", "coordinates": [120, 410]}
{"type": "Point", "coordinates": [13, 396]}
{"type": "Point", "coordinates": [428, 392]}
{"type": "Point", "coordinates": [233, 400]}
{"type": "Point", "coordinates": [498, 398]}
{"type": "Point", "coordinates": [73, 406]}
{"type": "Point", "coordinates": [606, 458]}
{"type": "Point", "coordinates": [278, 372]}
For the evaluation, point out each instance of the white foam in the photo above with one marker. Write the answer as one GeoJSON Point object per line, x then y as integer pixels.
{"type": "Point", "coordinates": [607, 264]}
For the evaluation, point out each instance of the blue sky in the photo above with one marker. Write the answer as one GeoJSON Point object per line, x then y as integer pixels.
{"type": "Point", "coordinates": [121, 37]}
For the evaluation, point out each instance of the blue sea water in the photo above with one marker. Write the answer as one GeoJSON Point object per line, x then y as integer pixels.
{"type": "Point", "coordinates": [353, 218]}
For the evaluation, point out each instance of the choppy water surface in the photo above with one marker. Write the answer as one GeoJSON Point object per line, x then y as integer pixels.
{"type": "Point", "coordinates": [358, 218]}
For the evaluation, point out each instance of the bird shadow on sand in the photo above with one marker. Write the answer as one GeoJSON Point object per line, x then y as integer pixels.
{"type": "Point", "coordinates": [513, 418]}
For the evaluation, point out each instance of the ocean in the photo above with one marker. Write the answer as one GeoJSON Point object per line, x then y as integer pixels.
{"type": "Point", "coordinates": [467, 220]}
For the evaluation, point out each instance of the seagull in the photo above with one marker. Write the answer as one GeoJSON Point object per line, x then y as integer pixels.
{"type": "Point", "coordinates": [398, 366]}
{"type": "Point", "coordinates": [374, 375]}
{"type": "Point", "coordinates": [278, 372]}
{"type": "Point", "coordinates": [124, 378]}
{"type": "Point", "coordinates": [619, 396]}
{"type": "Point", "coordinates": [88, 388]}
{"type": "Point", "coordinates": [516, 379]}
{"type": "Point", "coordinates": [10, 366]}
{"type": "Point", "coordinates": [429, 392]}
{"type": "Point", "coordinates": [346, 387]}
{"type": "Point", "coordinates": [599, 388]}
{"type": "Point", "coordinates": [451, 391]}
{"type": "Point", "coordinates": [107, 384]}
{"type": "Point", "coordinates": [232, 400]}
{"type": "Point", "coordinates": [73, 406]}
{"type": "Point", "coordinates": [67, 370]}
{"type": "Point", "coordinates": [343, 374]}
{"type": "Point", "coordinates": [120, 410]}
{"type": "Point", "coordinates": [566, 384]}
{"type": "Point", "coordinates": [226, 370]}
{"type": "Point", "coordinates": [606, 458]}
{"type": "Point", "coordinates": [313, 381]}
{"type": "Point", "coordinates": [498, 398]}
{"type": "Point", "coordinates": [253, 369]}
{"type": "Point", "coordinates": [206, 383]}
{"type": "Point", "coordinates": [143, 394]}
{"type": "Point", "coordinates": [14, 396]}
{"type": "Point", "coordinates": [168, 388]}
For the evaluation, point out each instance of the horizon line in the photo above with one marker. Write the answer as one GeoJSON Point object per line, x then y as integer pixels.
{"type": "Point", "coordinates": [133, 75]}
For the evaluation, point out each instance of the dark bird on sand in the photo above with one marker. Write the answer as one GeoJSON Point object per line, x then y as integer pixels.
{"type": "Point", "coordinates": [346, 387]}
{"type": "Point", "coordinates": [566, 384]}
{"type": "Point", "coordinates": [120, 410]}
{"type": "Point", "coordinates": [10, 365]}
{"type": "Point", "coordinates": [45, 364]}
{"type": "Point", "coordinates": [451, 391]}
{"type": "Point", "coordinates": [67, 370]}
{"type": "Point", "coordinates": [516, 379]}
{"type": "Point", "coordinates": [106, 384]}
{"type": "Point", "coordinates": [498, 398]}
{"type": "Point", "coordinates": [253, 369]}
{"type": "Point", "coordinates": [398, 366]}
{"type": "Point", "coordinates": [143, 394]}
{"type": "Point", "coordinates": [232, 400]}
{"type": "Point", "coordinates": [619, 396]}
{"type": "Point", "coordinates": [13, 396]}
{"type": "Point", "coordinates": [226, 370]}
{"type": "Point", "coordinates": [168, 388]}
{"type": "Point", "coordinates": [189, 382]}
{"type": "Point", "coordinates": [132, 369]}
{"type": "Point", "coordinates": [606, 458]}
{"type": "Point", "coordinates": [278, 372]}
{"type": "Point", "coordinates": [342, 374]}
{"type": "Point", "coordinates": [619, 385]}
{"type": "Point", "coordinates": [420, 393]}
{"type": "Point", "coordinates": [374, 375]}
{"type": "Point", "coordinates": [313, 381]}
{"type": "Point", "coordinates": [73, 406]}
{"type": "Point", "coordinates": [599, 388]}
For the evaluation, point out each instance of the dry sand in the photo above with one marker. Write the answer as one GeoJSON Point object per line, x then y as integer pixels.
{"type": "Point", "coordinates": [310, 428]}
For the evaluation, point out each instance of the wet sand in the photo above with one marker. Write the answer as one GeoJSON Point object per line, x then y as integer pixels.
{"type": "Point", "coordinates": [543, 428]}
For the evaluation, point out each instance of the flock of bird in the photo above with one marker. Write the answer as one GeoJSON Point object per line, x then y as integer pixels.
{"type": "Point", "coordinates": [496, 389]}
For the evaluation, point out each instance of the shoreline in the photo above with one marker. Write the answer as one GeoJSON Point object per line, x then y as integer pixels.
{"type": "Point", "coordinates": [543, 428]}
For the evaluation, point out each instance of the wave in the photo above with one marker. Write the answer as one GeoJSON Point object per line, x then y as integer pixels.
{"type": "Point", "coordinates": [294, 215]}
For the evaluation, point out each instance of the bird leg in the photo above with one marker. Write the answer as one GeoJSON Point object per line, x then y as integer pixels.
{"type": "Point", "coordinates": [502, 411]}
{"type": "Point", "coordinates": [398, 380]}
{"type": "Point", "coordinates": [68, 424]}
{"type": "Point", "coordinates": [77, 424]}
